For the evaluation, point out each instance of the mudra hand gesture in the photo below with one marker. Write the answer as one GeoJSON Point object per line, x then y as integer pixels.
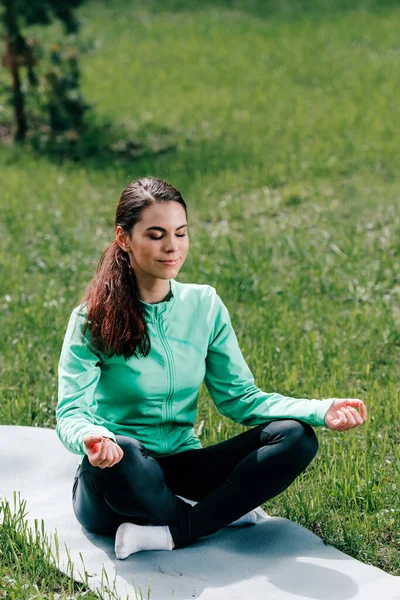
{"type": "Point", "coordinates": [101, 451]}
{"type": "Point", "coordinates": [342, 414]}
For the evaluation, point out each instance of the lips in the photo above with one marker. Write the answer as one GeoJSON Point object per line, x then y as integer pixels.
{"type": "Point", "coordinates": [170, 262]}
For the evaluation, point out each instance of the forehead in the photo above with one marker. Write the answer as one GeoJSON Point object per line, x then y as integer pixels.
{"type": "Point", "coordinates": [163, 213]}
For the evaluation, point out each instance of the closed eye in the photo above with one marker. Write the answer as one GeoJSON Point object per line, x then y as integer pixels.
{"type": "Point", "coordinates": [152, 237]}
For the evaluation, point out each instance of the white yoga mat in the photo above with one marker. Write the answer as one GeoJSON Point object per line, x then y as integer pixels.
{"type": "Point", "coordinates": [275, 559]}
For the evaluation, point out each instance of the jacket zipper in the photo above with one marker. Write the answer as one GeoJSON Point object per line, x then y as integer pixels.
{"type": "Point", "coordinates": [171, 378]}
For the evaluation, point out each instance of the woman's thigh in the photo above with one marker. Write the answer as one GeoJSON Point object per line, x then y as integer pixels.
{"type": "Point", "coordinates": [90, 506]}
{"type": "Point", "coordinates": [195, 473]}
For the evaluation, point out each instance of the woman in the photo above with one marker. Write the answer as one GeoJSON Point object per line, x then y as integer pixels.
{"type": "Point", "coordinates": [135, 353]}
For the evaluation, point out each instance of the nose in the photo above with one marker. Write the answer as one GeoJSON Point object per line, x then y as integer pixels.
{"type": "Point", "coordinates": [171, 246]}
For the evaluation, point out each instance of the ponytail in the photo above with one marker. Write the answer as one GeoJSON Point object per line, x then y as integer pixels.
{"type": "Point", "coordinates": [114, 310]}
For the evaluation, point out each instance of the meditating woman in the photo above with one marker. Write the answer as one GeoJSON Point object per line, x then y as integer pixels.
{"type": "Point", "coordinates": [135, 353]}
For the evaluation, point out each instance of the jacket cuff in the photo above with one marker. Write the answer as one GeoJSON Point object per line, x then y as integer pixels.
{"type": "Point", "coordinates": [321, 408]}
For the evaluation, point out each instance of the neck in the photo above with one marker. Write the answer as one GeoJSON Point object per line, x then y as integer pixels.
{"type": "Point", "coordinates": [157, 292]}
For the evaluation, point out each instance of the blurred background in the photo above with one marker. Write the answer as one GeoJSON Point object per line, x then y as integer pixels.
{"type": "Point", "coordinates": [278, 123]}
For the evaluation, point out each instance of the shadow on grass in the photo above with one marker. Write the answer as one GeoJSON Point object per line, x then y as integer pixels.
{"type": "Point", "coordinates": [285, 9]}
{"type": "Point", "coordinates": [151, 148]}
{"type": "Point", "coordinates": [99, 142]}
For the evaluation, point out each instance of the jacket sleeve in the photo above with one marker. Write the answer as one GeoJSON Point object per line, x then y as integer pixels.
{"type": "Point", "coordinates": [78, 373]}
{"type": "Point", "coordinates": [230, 382]}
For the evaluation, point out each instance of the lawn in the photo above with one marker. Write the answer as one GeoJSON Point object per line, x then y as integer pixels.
{"type": "Point", "coordinates": [279, 125]}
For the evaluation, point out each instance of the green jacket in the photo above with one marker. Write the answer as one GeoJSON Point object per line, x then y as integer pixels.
{"type": "Point", "coordinates": [154, 398]}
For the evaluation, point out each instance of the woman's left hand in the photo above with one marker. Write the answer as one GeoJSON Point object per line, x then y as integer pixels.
{"type": "Point", "coordinates": [342, 414]}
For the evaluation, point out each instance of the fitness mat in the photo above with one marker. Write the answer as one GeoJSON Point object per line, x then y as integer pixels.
{"type": "Point", "coordinates": [275, 559]}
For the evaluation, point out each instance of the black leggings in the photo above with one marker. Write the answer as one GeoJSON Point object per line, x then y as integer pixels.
{"type": "Point", "coordinates": [227, 479]}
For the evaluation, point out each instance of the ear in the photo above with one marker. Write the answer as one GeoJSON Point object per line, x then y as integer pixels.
{"type": "Point", "coordinates": [120, 237]}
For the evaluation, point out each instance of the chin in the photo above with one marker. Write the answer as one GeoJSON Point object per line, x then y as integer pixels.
{"type": "Point", "coordinates": [167, 276]}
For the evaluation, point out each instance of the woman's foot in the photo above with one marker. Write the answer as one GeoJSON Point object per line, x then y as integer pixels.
{"type": "Point", "coordinates": [131, 538]}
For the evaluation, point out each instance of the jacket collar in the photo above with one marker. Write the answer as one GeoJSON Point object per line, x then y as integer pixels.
{"type": "Point", "coordinates": [153, 311]}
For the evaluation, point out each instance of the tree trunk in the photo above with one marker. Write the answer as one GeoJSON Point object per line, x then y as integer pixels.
{"type": "Point", "coordinates": [17, 94]}
{"type": "Point", "coordinates": [12, 38]}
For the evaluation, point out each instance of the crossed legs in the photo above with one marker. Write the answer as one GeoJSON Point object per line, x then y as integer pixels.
{"type": "Point", "coordinates": [227, 480]}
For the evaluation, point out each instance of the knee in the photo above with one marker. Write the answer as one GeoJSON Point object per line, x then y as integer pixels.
{"type": "Point", "coordinates": [130, 445]}
{"type": "Point", "coordinates": [303, 439]}
{"type": "Point", "coordinates": [300, 438]}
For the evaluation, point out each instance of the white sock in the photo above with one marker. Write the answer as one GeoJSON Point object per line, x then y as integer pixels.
{"type": "Point", "coordinates": [249, 517]}
{"type": "Point", "coordinates": [131, 538]}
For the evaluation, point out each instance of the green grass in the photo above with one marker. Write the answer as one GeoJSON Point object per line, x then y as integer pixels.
{"type": "Point", "coordinates": [29, 562]}
{"type": "Point", "coordinates": [283, 126]}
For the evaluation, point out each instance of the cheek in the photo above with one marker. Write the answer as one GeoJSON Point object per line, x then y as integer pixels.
{"type": "Point", "coordinates": [146, 252]}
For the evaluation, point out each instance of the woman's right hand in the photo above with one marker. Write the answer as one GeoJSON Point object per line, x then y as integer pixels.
{"type": "Point", "coordinates": [101, 451]}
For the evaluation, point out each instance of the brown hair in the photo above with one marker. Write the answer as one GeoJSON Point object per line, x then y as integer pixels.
{"type": "Point", "coordinates": [114, 310]}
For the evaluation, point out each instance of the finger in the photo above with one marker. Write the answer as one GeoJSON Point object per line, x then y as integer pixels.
{"type": "Point", "coordinates": [350, 419]}
{"type": "Point", "coordinates": [95, 452]}
{"type": "Point", "coordinates": [338, 423]}
{"type": "Point", "coordinates": [358, 418]}
{"type": "Point", "coordinates": [337, 426]}
{"type": "Point", "coordinates": [363, 411]}
{"type": "Point", "coordinates": [103, 451]}
{"type": "Point", "coordinates": [108, 458]}
{"type": "Point", "coordinates": [344, 426]}
{"type": "Point", "coordinates": [93, 444]}
{"type": "Point", "coordinates": [96, 448]}
{"type": "Point", "coordinates": [116, 457]}
{"type": "Point", "coordinates": [102, 454]}
{"type": "Point", "coordinates": [357, 403]}
{"type": "Point", "coordinates": [92, 438]}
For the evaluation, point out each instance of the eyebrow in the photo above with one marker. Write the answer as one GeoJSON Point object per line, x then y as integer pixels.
{"type": "Point", "coordinates": [162, 229]}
